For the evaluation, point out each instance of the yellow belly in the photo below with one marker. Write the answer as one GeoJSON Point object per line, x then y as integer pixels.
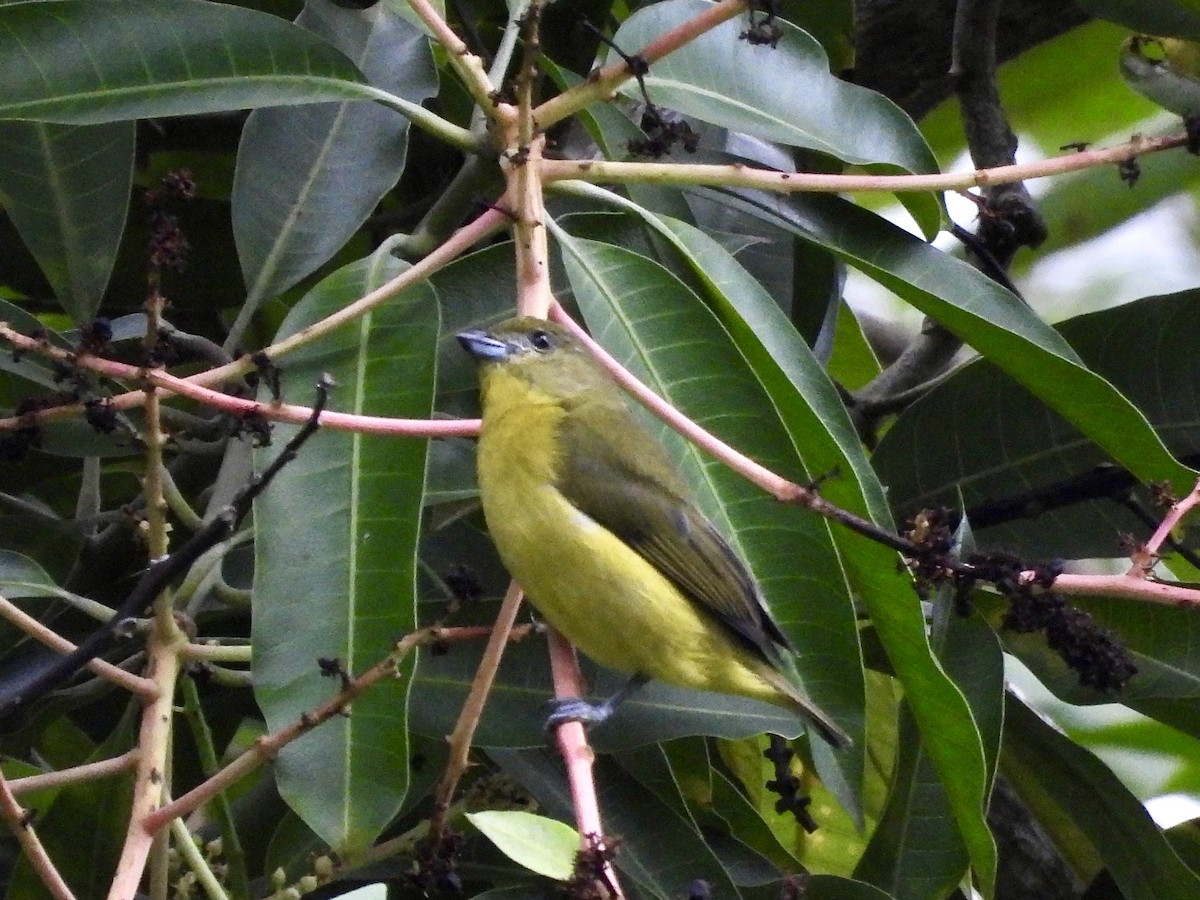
{"type": "Point", "coordinates": [588, 584]}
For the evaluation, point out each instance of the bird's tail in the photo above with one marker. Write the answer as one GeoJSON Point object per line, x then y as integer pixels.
{"type": "Point", "coordinates": [812, 714]}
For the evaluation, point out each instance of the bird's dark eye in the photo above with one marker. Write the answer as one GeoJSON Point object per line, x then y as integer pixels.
{"type": "Point", "coordinates": [540, 341]}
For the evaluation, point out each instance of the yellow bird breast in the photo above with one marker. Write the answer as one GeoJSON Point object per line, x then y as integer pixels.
{"type": "Point", "coordinates": [586, 582]}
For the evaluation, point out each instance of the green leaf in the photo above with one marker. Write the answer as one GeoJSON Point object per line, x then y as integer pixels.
{"type": "Point", "coordinates": [1023, 457]}
{"type": "Point", "coordinates": [542, 845]}
{"type": "Point", "coordinates": [988, 318]}
{"type": "Point", "coordinates": [642, 314]}
{"type": "Point", "coordinates": [1093, 819]}
{"type": "Point", "coordinates": [335, 548]}
{"type": "Point", "coordinates": [916, 850]}
{"type": "Point", "coordinates": [66, 189]}
{"type": "Point", "coordinates": [21, 576]}
{"type": "Point", "coordinates": [1160, 640]}
{"type": "Point", "coordinates": [783, 93]}
{"type": "Point", "coordinates": [716, 803]}
{"type": "Point", "coordinates": [657, 327]}
{"type": "Point", "coordinates": [516, 716]}
{"type": "Point", "coordinates": [82, 62]}
{"type": "Point", "coordinates": [308, 177]}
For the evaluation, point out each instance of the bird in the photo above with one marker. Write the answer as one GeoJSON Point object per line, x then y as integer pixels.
{"type": "Point", "coordinates": [592, 518]}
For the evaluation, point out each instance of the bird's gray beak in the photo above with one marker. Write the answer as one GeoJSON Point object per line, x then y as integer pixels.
{"type": "Point", "coordinates": [483, 346]}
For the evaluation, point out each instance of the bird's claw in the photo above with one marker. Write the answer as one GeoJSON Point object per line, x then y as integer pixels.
{"type": "Point", "coordinates": [576, 709]}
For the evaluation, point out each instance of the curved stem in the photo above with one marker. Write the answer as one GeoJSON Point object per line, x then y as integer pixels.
{"type": "Point", "coordinates": [737, 175]}
{"type": "Point", "coordinates": [468, 718]}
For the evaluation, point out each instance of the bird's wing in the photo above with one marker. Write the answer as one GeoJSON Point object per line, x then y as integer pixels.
{"type": "Point", "coordinates": [641, 499]}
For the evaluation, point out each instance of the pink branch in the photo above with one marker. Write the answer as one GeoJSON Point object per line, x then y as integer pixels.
{"type": "Point", "coordinates": [577, 753]}
{"type": "Point", "coordinates": [86, 772]}
{"type": "Point", "coordinates": [738, 175]}
{"type": "Point", "coordinates": [1173, 517]}
{"type": "Point", "coordinates": [279, 412]}
{"type": "Point", "coordinates": [1128, 586]}
{"type": "Point", "coordinates": [472, 710]}
{"type": "Point", "coordinates": [773, 484]}
{"type": "Point", "coordinates": [467, 236]}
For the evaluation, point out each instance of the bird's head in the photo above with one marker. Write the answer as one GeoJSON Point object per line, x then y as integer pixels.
{"type": "Point", "coordinates": [543, 356]}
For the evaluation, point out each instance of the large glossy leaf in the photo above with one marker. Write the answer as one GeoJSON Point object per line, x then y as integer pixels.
{"type": "Point", "coordinates": [715, 802]}
{"type": "Point", "coordinates": [1022, 459]}
{"type": "Point", "coordinates": [671, 776]}
{"type": "Point", "coordinates": [66, 189]}
{"type": "Point", "coordinates": [988, 318]}
{"type": "Point", "coordinates": [308, 176]}
{"type": "Point", "coordinates": [916, 850]}
{"type": "Point", "coordinates": [660, 330]}
{"type": "Point", "coordinates": [1160, 641]}
{"type": "Point", "coordinates": [85, 62]}
{"type": "Point", "coordinates": [335, 556]}
{"type": "Point", "coordinates": [515, 715]}
{"type": "Point", "coordinates": [783, 93]}
{"type": "Point", "coordinates": [643, 313]}
{"type": "Point", "coordinates": [1089, 814]}
{"type": "Point", "coordinates": [809, 410]}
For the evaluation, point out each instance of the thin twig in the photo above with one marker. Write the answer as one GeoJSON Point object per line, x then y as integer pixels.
{"type": "Point", "coordinates": [523, 171]}
{"type": "Point", "coordinates": [577, 754]}
{"type": "Point", "coordinates": [187, 387]}
{"type": "Point", "coordinates": [20, 823]}
{"type": "Point", "coordinates": [137, 685]}
{"type": "Point", "coordinates": [487, 223]}
{"type": "Point", "coordinates": [232, 851]}
{"type": "Point", "coordinates": [195, 861]}
{"type": "Point", "coordinates": [776, 485]}
{"type": "Point", "coordinates": [600, 85]}
{"type": "Point", "coordinates": [1162, 534]}
{"type": "Point", "coordinates": [468, 718]}
{"type": "Point", "coordinates": [469, 67]}
{"type": "Point", "coordinates": [218, 652]}
{"type": "Point", "coordinates": [1128, 587]}
{"type": "Point", "coordinates": [266, 748]}
{"type": "Point", "coordinates": [737, 175]}
{"type": "Point", "coordinates": [103, 768]}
